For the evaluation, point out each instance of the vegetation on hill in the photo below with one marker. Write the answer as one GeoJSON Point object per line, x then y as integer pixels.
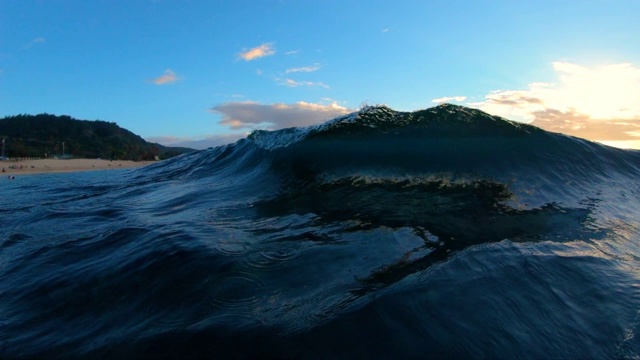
{"type": "Point", "coordinates": [47, 135]}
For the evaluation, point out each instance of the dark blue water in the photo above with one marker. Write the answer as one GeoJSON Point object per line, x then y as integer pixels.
{"type": "Point", "coordinates": [442, 233]}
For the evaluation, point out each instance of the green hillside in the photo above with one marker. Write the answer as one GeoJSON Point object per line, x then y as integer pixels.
{"type": "Point", "coordinates": [37, 135]}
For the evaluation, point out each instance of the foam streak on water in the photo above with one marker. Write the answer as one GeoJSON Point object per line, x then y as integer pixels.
{"type": "Point", "coordinates": [380, 234]}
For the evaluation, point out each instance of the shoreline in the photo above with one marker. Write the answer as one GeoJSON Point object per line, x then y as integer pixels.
{"type": "Point", "coordinates": [52, 166]}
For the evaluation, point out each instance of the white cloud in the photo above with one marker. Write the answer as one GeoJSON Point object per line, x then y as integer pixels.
{"type": "Point", "coordinates": [263, 50]}
{"type": "Point", "coordinates": [167, 78]}
{"type": "Point", "coordinates": [311, 68]}
{"type": "Point", "coordinates": [38, 40]}
{"type": "Point", "coordinates": [604, 92]}
{"type": "Point", "coordinates": [597, 103]}
{"type": "Point", "coordinates": [449, 99]}
{"type": "Point", "coordinates": [252, 115]}
{"type": "Point", "coordinates": [294, 83]}
{"type": "Point", "coordinates": [34, 42]}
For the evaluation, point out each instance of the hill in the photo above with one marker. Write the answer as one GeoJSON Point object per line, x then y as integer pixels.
{"type": "Point", "coordinates": [37, 135]}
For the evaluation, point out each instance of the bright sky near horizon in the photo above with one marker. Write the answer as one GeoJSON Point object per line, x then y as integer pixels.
{"type": "Point", "coordinates": [204, 73]}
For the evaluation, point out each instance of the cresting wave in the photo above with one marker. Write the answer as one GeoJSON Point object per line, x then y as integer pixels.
{"type": "Point", "coordinates": [445, 232]}
{"type": "Point", "coordinates": [445, 143]}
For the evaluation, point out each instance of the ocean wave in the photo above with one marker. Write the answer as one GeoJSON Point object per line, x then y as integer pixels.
{"type": "Point", "coordinates": [445, 232]}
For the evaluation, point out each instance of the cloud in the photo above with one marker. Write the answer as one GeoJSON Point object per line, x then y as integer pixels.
{"type": "Point", "coordinates": [38, 40]}
{"type": "Point", "coordinates": [252, 115]}
{"type": "Point", "coordinates": [257, 52]}
{"type": "Point", "coordinates": [604, 92]}
{"type": "Point", "coordinates": [449, 99]}
{"type": "Point", "coordinates": [198, 143]}
{"type": "Point", "coordinates": [167, 78]}
{"type": "Point", "coordinates": [34, 42]}
{"type": "Point", "coordinates": [596, 103]}
{"type": "Point", "coordinates": [311, 68]}
{"type": "Point", "coordinates": [581, 125]}
{"type": "Point", "coordinates": [294, 83]}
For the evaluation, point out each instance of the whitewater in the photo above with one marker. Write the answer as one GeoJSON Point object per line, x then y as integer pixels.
{"type": "Point", "coordinates": [439, 233]}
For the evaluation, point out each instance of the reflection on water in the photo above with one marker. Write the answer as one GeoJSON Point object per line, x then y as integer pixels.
{"type": "Point", "coordinates": [447, 217]}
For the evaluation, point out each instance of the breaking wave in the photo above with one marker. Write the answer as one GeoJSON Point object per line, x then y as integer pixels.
{"type": "Point", "coordinates": [445, 232]}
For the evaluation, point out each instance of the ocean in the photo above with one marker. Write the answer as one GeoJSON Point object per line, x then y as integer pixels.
{"type": "Point", "coordinates": [440, 233]}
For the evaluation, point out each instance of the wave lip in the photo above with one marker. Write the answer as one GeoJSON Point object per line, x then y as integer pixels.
{"type": "Point", "coordinates": [444, 119]}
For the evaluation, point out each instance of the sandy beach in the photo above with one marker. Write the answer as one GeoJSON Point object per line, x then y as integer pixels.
{"type": "Point", "coordinates": [29, 167]}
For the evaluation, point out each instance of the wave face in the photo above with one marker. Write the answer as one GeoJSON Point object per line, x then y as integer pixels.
{"type": "Point", "coordinates": [444, 232]}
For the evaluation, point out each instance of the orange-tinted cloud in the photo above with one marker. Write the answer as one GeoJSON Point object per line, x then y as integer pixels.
{"type": "Point", "coordinates": [257, 52]}
{"type": "Point", "coordinates": [252, 115]}
{"type": "Point", "coordinates": [167, 78]}
{"type": "Point", "coordinates": [597, 103]}
{"type": "Point", "coordinates": [581, 125]}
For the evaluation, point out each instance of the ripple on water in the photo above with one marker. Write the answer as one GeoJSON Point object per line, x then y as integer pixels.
{"type": "Point", "coordinates": [270, 258]}
{"type": "Point", "coordinates": [281, 254]}
{"type": "Point", "coordinates": [239, 291]}
{"type": "Point", "coordinates": [316, 310]}
{"type": "Point", "coordinates": [230, 248]}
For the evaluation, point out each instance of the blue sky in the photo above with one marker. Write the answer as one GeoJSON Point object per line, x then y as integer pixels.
{"type": "Point", "coordinates": [204, 73]}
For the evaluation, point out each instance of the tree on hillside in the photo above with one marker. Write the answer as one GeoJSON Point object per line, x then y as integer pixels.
{"type": "Point", "coordinates": [37, 135]}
